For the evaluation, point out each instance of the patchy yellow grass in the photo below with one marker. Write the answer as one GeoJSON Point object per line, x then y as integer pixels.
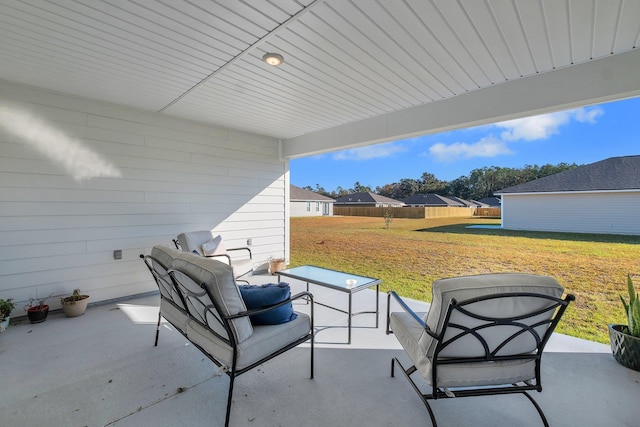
{"type": "Point", "coordinates": [410, 255]}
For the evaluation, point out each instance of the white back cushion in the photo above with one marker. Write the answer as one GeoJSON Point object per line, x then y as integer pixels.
{"type": "Point", "coordinates": [214, 247]}
{"type": "Point", "coordinates": [193, 240]}
{"type": "Point", "coordinates": [218, 278]}
{"type": "Point", "coordinates": [162, 261]}
{"type": "Point", "coordinates": [468, 287]}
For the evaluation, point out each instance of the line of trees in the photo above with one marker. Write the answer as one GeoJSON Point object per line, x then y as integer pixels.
{"type": "Point", "coordinates": [480, 183]}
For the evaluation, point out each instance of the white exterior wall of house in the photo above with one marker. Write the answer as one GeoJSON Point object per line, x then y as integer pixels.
{"type": "Point", "coordinates": [58, 233]}
{"type": "Point", "coordinates": [574, 212]}
{"type": "Point", "coordinates": [310, 208]}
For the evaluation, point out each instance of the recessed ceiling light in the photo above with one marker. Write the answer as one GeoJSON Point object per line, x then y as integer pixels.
{"type": "Point", "coordinates": [273, 59]}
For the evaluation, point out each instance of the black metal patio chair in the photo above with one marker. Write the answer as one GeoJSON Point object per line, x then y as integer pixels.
{"type": "Point", "coordinates": [483, 335]}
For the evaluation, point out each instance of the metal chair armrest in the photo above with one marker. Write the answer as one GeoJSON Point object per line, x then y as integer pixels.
{"type": "Point", "coordinates": [244, 248]}
{"type": "Point", "coordinates": [406, 308]}
{"type": "Point", "coordinates": [228, 261]}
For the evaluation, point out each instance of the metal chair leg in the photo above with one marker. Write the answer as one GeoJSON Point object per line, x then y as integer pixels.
{"type": "Point", "coordinates": [158, 329]}
{"type": "Point", "coordinates": [423, 397]}
{"type": "Point", "coordinates": [538, 408]}
{"type": "Point", "coordinates": [231, 380]}
{"type": "Point", "coordinates": [313, 333]}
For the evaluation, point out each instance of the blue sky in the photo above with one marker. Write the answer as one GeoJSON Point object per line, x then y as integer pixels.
{"type": "Point", "coordinates": [581, 136]}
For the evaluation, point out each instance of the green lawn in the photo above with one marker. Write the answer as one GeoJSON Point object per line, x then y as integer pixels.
{"type": "Point", "coordinates": [410, 255]}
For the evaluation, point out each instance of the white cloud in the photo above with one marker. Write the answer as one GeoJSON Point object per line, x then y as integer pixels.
{"type": "Point", "coordinates": [526, 129]}
{"type": "Point", "coordinates": [545, 125]}
{"type": "Point", "coordinates": [486, 147]}
{"type": "Point", "coordinates": [370, 152]}
{"type": "Point", "coordinates": [584, 115]}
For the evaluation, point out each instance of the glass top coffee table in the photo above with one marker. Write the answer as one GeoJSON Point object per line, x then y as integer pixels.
{"type": "Point", "coordinates": [337, 280]}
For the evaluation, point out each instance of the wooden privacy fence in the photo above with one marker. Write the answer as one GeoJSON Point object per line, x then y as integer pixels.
{"type": "Point", "coordinates": [496, 212]}
{"type": "Point", "coordinates": [411, 212]}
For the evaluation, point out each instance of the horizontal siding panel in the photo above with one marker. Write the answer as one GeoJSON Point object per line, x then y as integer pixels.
{"type": "Point", "coordinates": [41, 250]}
{"type": "Point", "coordinates": [51, 195]}
{"type": "Point", "coordinates": [164, 197]}
{"type": "Point", "coordinates": [39, 208]}
{"type": "Point", "coordinates": [214, 146]}
{"type": "Point", "coordinates": [254, 209]}
{"type": "Point", "coordinates": [12, 179]}
{"type": "Point", "coordinates": [150, 129]}
{"type": "Point", "coordinates": [81, 234]}
{"type": "Point", "coordinates": [52, 114]}
{"type": "Point", "coordinates": [115, 149]}
{"type": "Point", "coordinates": [207, 187]}
{"type": "Point", "coordinates": [53, 262]}
{"type": "Point", "coordinates": [47, 222]}
{"type": "Point", "coordinates": [246, 162]}
{"type": "Point", "coordinates": [87, 280]}
{"type": "Point", "coordinates": [45, 282]}
{"type": "Point", "coordinates": [31, 163]}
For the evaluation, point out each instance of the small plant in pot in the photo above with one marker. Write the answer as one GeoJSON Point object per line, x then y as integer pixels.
{"type": "Point", "coordinates": [37, 310]}
{"type": "Point", "coordinates": [625, 339]}
{"type": "Point", "coordinates": [75, 304]}
{"type": "Point", "coordinates": [6, 307]}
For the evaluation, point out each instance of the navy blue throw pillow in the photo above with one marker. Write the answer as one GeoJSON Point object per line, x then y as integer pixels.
{"type": "Point", "coordinates": [263, 296]}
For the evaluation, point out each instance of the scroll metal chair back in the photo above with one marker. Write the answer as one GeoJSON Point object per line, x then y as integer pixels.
{"type": "Point", "coordinates": [501, 336]}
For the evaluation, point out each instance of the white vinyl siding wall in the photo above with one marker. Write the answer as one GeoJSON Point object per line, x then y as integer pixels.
{"type": "Point", "coordinates": [588, 212]}
{"type": "Point", "coordinates": [58, 233]}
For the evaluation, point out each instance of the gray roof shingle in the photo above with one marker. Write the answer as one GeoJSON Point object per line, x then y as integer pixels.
{"type": "Point", "coordinates": [431, 199]}
{"type": "Point", "coordinates": [367, 197]}
{"type": "Point", "coordinates": [615, 173]}
{"type": "Point", "coordinates": [297, 193]}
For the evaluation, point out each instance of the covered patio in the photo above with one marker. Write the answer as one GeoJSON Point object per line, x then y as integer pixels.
{"type": "Point", "coordinates": [101, 369]}
{"type": "Point", "coordinates": [123, 124]}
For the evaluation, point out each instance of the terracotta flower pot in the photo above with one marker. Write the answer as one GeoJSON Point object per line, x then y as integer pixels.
{"type": "Point", "coordinates": [276, 265]}
{"type": "Point", "coordinates": [625, 347]}
{"type": "Point", "coordinates": [38, 314]}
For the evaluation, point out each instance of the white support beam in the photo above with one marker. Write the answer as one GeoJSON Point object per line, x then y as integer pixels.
{"type": "Point", "coordinates": [602, 80]}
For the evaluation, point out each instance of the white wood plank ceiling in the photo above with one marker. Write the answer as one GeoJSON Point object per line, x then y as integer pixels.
{"type": "Point", "coordinates": [345, 60]}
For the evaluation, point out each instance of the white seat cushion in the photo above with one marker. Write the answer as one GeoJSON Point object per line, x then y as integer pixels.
{"type": "Point", "coordinates": [410, 335]}
{"type": "Point", "coordinates": [265, 340]}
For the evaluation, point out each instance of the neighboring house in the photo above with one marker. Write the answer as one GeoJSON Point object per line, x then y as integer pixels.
{"type": "Point", "coordinates": [309, 203]}
{"type": "Point", "coordinates": [430, 199]}
{"type": "Point", "coordinates": [602, 197]}
{"type": "Point", "coordinates": [367, 199]}
{"type": "Point", "coordinates": [491, 202]}
{"type": "Point", "coordinates": [463, 202]}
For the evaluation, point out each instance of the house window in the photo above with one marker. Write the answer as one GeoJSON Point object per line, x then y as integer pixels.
{"type": "Point", "coordinates": [317, 206]}
{"type": "Point", "coordinates": [308, 206]}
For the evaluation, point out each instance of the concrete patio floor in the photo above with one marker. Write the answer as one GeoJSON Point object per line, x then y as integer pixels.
{"type": "Point", "coordinates": [101, 369]}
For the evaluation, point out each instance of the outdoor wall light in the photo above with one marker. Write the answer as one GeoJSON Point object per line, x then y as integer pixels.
{"type": "Point", "coordinates": [273, 59]}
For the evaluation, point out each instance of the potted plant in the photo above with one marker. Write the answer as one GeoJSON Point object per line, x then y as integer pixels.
{"type": "Point", "coordinates": [6, 307]}
{"type": "Point", "coordinates": [37, 310]}
{"type": "Point", "coordinates": [75, 304]}
{"type": "Point", "coordinates": [625, 339]}
{"type": "Point", "coordinates": [276, 264]}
